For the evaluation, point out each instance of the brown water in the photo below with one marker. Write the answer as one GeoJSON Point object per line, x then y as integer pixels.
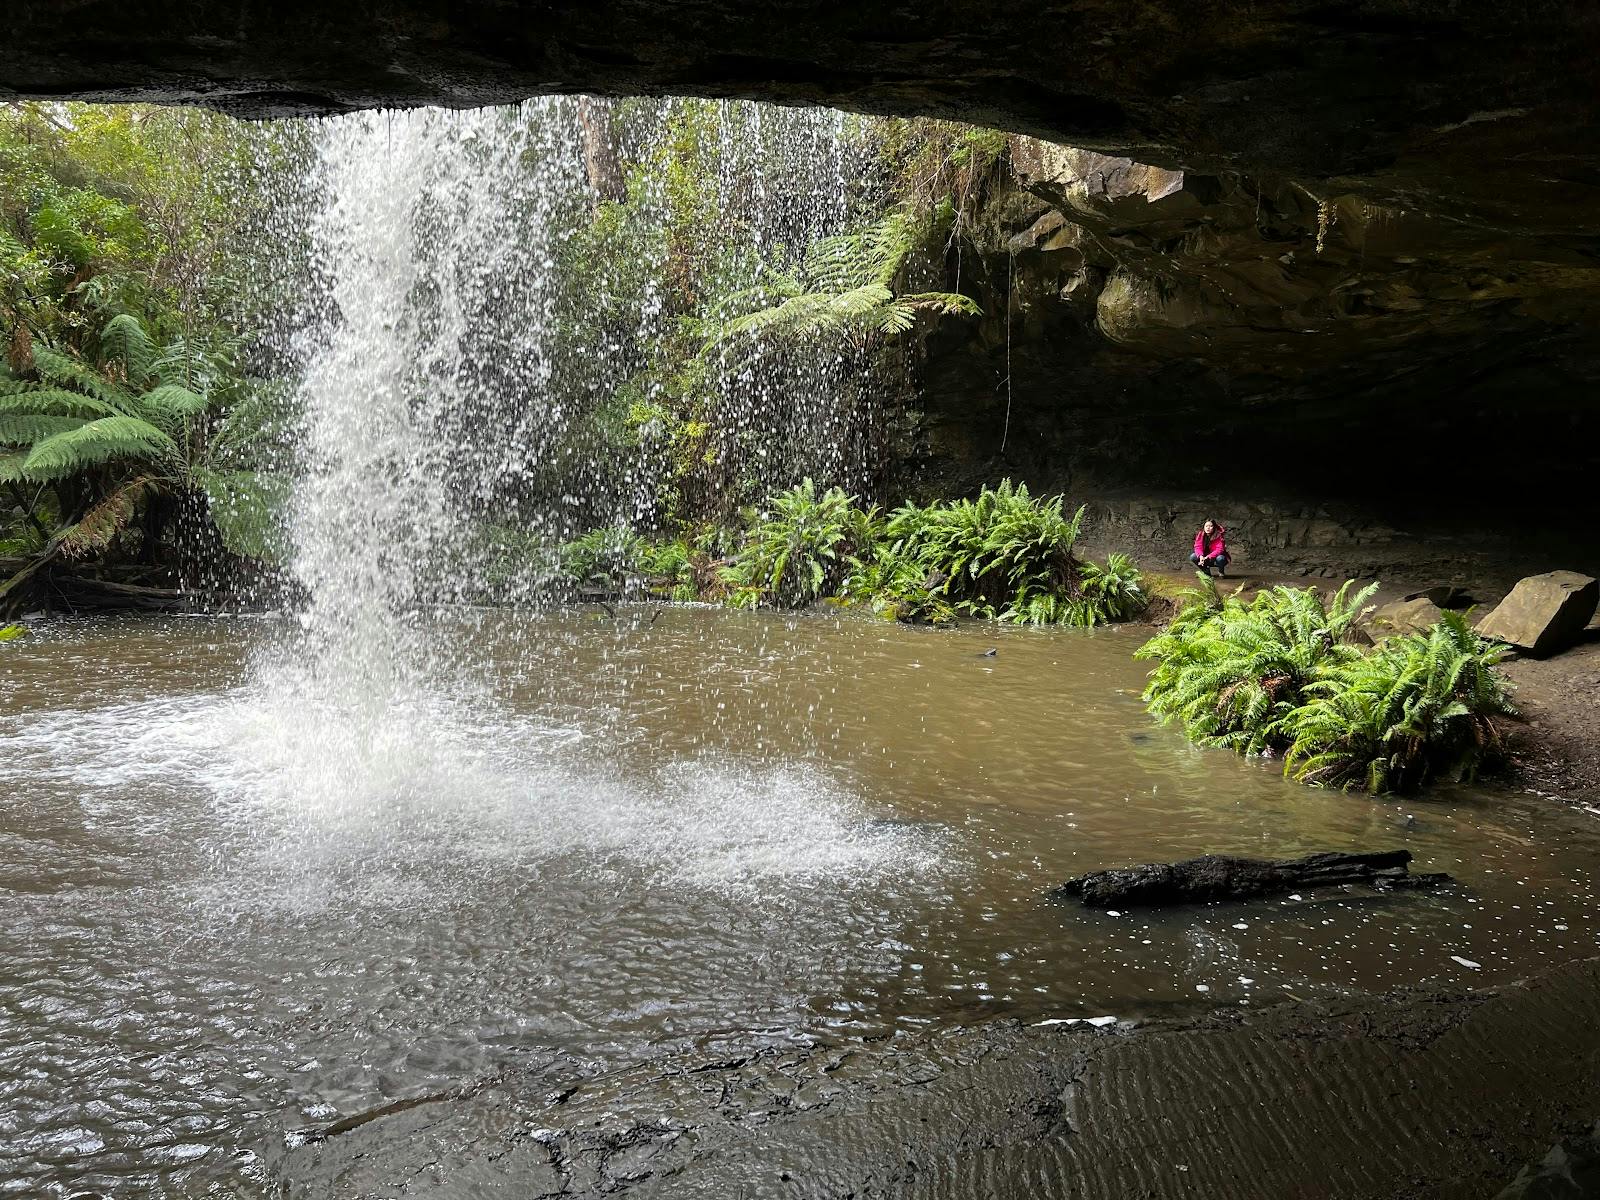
{"type": "Point", "coordinates": [235, 909]}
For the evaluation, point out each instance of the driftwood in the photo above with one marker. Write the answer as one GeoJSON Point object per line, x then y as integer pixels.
{"type": "Point", "coordinates": [88, 592]}
{"type": "Point", "coordinates": [1225, 877]}
{"type": "Point", "coordinates": [13, 590]}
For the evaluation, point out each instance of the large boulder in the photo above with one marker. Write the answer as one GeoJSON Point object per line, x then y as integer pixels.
{"type": "Point", "coordinates": [1417, 615]}
{"type": "Point", "coordinates": [1545, 613]}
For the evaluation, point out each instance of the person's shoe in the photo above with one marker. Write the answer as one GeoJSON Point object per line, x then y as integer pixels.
{"type": "Point", "coordinates": [1222, 572]}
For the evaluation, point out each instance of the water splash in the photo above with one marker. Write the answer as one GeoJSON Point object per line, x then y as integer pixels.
{"type": "Point", "coordinates": [430, 383]}
{"type": "Point", "coordinates": [482, 295]}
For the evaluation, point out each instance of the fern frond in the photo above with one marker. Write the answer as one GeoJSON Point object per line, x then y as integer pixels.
{"type": "Point", "coordinates": [98, 527]}
{"type": "Point", "coordinates": [126, 346]}
{"type": "Point", "coordinates": [24, 429]}
{"type": "Point", "coordinates": [93, 443]}
{"type": "Point", "coordinates": [61, 369]}
{"type": "Point", "coordinates": [170, 404]}
{"type": "Point", "coordinates": [47, 401]}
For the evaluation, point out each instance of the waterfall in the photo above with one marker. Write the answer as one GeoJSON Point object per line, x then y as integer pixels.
{"type": "Point", "coordinates": [478, 316]}
{"type": "Point", "coordinates": [429, 383]}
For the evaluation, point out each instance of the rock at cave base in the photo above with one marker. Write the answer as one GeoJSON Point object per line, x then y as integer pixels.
{"type": "Point", "coordinates": [1544, 614]}
{"type": "Point", "coordinates": [1445, 595]}
{"type": "Point", "coordinates": [1407, 616]}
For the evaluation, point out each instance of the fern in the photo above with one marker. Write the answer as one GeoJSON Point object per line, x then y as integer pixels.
{"type": "Point", "coordinates": [75, 416]}
{"type": "Point", "coordinates": [1275, 674]}
{"type": "Point", "coordinates": [1231, 672]}
{"type": "Point", "coordinates": [608, 557]}
{"type": "Point", "coordinates": [848, 291]}
{"type": "Point", "coordinates": [1419, 708]}
{"type": "Point", "coordinates": [994, 554]}
{"type": "Point", "coordinates": [92, 443]}
{"type": "Point", "coordinates": [98, 528]}
{"type": "Point", "coordinates": [247, 509]}
{"type": "Point", "coordinates": [800, 550]}
{"type": "Point", "coordinates": [125, 346]}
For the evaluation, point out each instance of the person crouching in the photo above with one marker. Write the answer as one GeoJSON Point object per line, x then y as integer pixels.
{"type": "Point", "coordinates": [1211, 549]}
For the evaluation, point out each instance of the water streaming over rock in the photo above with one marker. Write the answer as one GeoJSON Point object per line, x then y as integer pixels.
{"type": "Point", "coordinates": [481, 316]}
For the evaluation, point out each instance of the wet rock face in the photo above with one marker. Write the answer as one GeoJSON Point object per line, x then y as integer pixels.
{"type": "Point", "coordinates": [1228, 332]}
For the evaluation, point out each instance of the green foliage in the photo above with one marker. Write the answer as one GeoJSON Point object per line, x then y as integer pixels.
{"type": "Point", "coordinates": [618, 560]}
{"type": "Point", "coordinates": [1275, 675]}
{"type": "Point", "coordinates": [847, 290]}
{"type": "Point", "coordinates": [672, 569]}
{"type": "Point", "coordinates": [895, 585]}
{"type": "Point", "coordinates": [247, 508]}
{"type": "Point", "coordinates": [1418, 708]}
{"type": "Point", "coordinates": [1114, 587]}
{"type": "Point", "coordinates": [1003, 555]}
{"type": "Point", "coordinates": [799, 550]}
{"type": "Point", "coordinates": [10, 632]}
{"type": "Point", "coordinates": [131, 406]}
{"type": "Point", "coordinates": [608, 558]}
{"type": "Point", "coordinates": [1230, 672]}
{"type": "Point", "coordinates": [115, 301]}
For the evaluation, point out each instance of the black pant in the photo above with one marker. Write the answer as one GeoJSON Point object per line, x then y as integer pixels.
{"type": "Point", "coordinates": [1219, 561]}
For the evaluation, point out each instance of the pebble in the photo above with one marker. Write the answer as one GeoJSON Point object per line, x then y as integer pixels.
{"type": "Point", "coordinates": [1465, 962]}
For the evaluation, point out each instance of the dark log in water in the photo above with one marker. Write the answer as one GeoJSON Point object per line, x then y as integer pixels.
{"type": "Point", "coordinates": [82, 591]}
{"type": "Point", "coordinates": [1226, 877]}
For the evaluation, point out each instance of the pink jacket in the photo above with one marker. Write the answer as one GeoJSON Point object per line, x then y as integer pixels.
{"type": "Point", "coordinates": [1216, 546]}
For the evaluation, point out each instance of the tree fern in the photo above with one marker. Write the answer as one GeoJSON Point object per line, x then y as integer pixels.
{"type": "Point", "coordinates": [98, 527]}
{"type": "Point", "coordinates": [247, 508]}
{"type": "Point", "coordinates": [127, 348]}
{"type": "Point", "coordinates": [76, 416]}
{"type": "Point", "coordinates": [108, 436]}
{"type": "Point", "coordinates": [848, 290]}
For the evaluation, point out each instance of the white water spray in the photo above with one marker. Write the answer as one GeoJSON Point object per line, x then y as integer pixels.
{"type": "Point", "coordinates": [435, 251]}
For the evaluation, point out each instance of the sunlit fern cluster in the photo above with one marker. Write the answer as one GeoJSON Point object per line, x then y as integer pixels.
{"type": "Point", "coordinates": [1276, 674]}
{"type": "Point", "coordinates": [1420, 707]}
{"type": "Point", "coordinates": [1002, 555]}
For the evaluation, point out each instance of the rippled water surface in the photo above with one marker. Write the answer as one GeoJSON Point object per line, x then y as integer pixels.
{"type": "Point", "coordinates": [235, 908]}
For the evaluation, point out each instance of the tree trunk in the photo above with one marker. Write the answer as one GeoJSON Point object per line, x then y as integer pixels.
{"type": "Point", "coordinates": [600, 159]}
